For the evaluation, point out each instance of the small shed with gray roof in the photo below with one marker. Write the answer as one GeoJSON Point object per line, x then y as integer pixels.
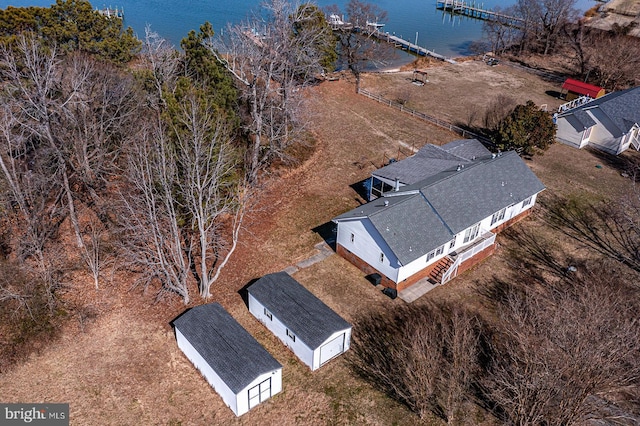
{"type": "Point", "coordinates": [313, 331]}
{"type": "Point", "coordinates": [240, 370]}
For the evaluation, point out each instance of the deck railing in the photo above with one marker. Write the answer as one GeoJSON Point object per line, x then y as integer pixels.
{"type": "Point", "coordinates": [440, 123]}
{"type": "Point", "coordinates": [486, 240]}
{"type": "Point", "coordinates": [574, 103]}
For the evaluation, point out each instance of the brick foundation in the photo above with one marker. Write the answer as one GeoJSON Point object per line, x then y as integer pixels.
{"type": "Point", "coordinates": [511, 221]}
{"type": "Point", "coordinates": [408, 282]}
{"type": "Point", "coordinates": [464, 266]}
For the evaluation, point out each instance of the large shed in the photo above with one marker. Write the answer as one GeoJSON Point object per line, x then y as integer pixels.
{"type": "Point", "coordinates": [312, 330]}
{"type": "Point", "coordinates": [575, 88]}
{"type": "Point", "coordinates": [240, 370]}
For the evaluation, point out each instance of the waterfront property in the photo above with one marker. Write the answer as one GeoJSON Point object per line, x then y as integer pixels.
{"type": "Point", "coordinates": [240, 370]}
{"type": "Point", "coordinates": [610, 123]}
{"type": "Point", "coordinates": [438, 216]}
{"type": "Point", "coordinates": [312, 330]}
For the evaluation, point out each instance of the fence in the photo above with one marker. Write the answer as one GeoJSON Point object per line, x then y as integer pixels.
{"type": "Point", "coordinates": [433, 120]}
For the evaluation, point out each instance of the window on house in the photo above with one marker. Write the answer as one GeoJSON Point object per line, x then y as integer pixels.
{"type": "Point", "coordinates": [381, 257]}
{"type": "Point", "coordinates": [440, 250]}
{"type": "Point", "coordinates": [452, 244]}
{"type": "Point", "coordinates": [291, 335]}
{"type": "Point", "coordinates": [353, 237]}
{"type": "Point", "coordinates": [471, 233]}
{"type": "Point", "coordinates": [526, 202]}
{"type": "Point", "coordinates": [268, 314]}
{"type": "Point", "coordinates": [497, 217]}
{"type": "Point", "coordinates": [431, 255]}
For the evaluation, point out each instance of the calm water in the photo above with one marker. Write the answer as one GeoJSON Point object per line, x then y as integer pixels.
{"type": "Point", "coordinates": [407, 18]}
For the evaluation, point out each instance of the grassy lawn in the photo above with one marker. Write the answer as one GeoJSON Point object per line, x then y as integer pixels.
{"type": "Point", "coordinates": [125, 367]}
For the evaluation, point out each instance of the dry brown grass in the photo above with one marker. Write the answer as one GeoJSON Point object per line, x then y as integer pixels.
{"type": "Point", "coordinates": [125, 368]}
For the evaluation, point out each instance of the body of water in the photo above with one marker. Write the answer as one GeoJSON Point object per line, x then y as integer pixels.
{"type": "Point", "coordinates": [411, 19]}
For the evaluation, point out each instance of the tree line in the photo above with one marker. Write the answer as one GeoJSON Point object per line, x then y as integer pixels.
{"type": "Point", "coordinates": [148, 166]}
{"type": "Point", "coordinates": [608, 58]}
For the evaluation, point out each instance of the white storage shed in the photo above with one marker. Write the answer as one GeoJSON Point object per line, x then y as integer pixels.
{"type": "Point", "coordinates": [312, 330]}
{"type": "Point", "coordinates": [240, 370]}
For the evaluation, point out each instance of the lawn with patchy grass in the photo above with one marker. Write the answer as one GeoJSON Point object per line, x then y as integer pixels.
{"type": "Point", "coordinates": [124, 367]}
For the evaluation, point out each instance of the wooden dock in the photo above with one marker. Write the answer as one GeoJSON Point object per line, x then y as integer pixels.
{"type": "Point", "coordinates": [460, 7]}
{"type": "Point", "coordinates": [408, 46]}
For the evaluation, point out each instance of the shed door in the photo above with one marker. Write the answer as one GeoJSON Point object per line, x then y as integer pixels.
{"type": "Point", "coordinates": [332, 349]}
{"type": "Point", "coordinates": [259, 393]}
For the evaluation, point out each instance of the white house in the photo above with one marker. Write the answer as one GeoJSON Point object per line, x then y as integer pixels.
{"type": "Point", "coordinates": [609, 123]}
{"type": "Point", "coordinates": [312, 330]}
{"type": "Point", "coordinates": [240, 370]}
{"type": "Point", "coordinates": [442, 224]}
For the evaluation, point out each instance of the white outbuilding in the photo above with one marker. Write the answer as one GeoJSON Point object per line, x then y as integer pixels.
{"type": "Point", "coordinates": [312, 330]}
{"type": "Point", "coordinates": [240, 370]}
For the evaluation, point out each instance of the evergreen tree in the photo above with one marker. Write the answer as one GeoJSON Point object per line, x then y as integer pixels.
{"type": "Point", "coordinates": [526, 130]}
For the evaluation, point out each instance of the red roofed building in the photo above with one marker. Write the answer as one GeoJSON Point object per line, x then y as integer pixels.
{"type": "Point", "coordinates": [574, 89]}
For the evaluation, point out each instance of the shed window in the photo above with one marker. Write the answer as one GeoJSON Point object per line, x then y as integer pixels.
{"type": "Point", "coordinates": [291, 335]}
{"type": "Point", "coordinates": [497, 217]}
{"type": "Point", "coordinates": [268, 314]}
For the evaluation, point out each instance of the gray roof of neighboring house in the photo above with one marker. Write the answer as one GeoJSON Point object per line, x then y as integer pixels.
{"type": "Point", "coordinates": [622, 108]}
{"type": "Point", "coordinates": [297, 308]}
{"type": "Point", "coordinates": [431, 159]}
{"type": "Point", "coordinates": [423, 216]}
{"type": "Point", "coordinates": [225, 345]}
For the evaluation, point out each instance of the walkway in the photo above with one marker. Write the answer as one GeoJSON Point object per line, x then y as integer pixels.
{"type": "Point", "coordinates": [324, 251]}
{"type": "Point", "coordinates": [417, 290]}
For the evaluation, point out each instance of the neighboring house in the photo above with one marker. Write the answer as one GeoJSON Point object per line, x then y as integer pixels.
{"type": "Point", "coordinates": [240, 370]}
{"type": "Point", "coordinates": [312, 330]}
{"type": "Point", "coordinates": [573, 89]}
{"type": "Point", "coordinates": [443, 223]}
{"type": "Point", "coordinates": [609, 123]}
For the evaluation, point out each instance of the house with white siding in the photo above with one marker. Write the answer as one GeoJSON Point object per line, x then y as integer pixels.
{"type": "Point", "coordinates": [307, 326]}
{"type": "Point", "coordinates": [440, 216]}
{"type": "Point", "coordinates": [238, 368]}
{"type": "Point", "coordinates": [610, 123]}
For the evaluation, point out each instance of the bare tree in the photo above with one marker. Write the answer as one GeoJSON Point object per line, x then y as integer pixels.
{"type": "Point", "coordinates": [152, 239]}
{"type": "Point", "coordinates": [211, 192]}
{"type": "Point", "coordinates": [427, 357]}
{"type": "Point", "coordinates": [543, 21]}
{"type": "Point", "coordinates": [271, 65]}
{"type": "Point", "coordinates": [611, 229]}
{"type": "Point", "coordinates": [614, 58]}
{"type": "Point", "coordinates": [562, 349]}
{"type": "Point", "coordinates": [357, 45]}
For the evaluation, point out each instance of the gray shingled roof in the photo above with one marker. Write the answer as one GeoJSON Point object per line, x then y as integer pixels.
{"type": "Point", "coordinates": [622, 108]}
{"type": "Point", "coordinates": [297, 308]}
{"type": "Point", "coordinates": [481, 189]}
{"type": "Point", "coordinates": [466, 148]}
{"type": "Point", "coordinates": [225, 345]}
{"type": "Point", "coordinates": [423, 216]}
{"type": "Point", "coordinates": [432, 159]}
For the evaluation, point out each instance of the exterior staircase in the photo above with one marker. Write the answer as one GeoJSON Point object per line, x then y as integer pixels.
{"type": "Point", "coordinates": [440, 268]}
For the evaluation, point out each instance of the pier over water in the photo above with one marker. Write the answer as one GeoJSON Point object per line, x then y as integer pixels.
{"type": "Point", "coordinates": [459, 7]}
